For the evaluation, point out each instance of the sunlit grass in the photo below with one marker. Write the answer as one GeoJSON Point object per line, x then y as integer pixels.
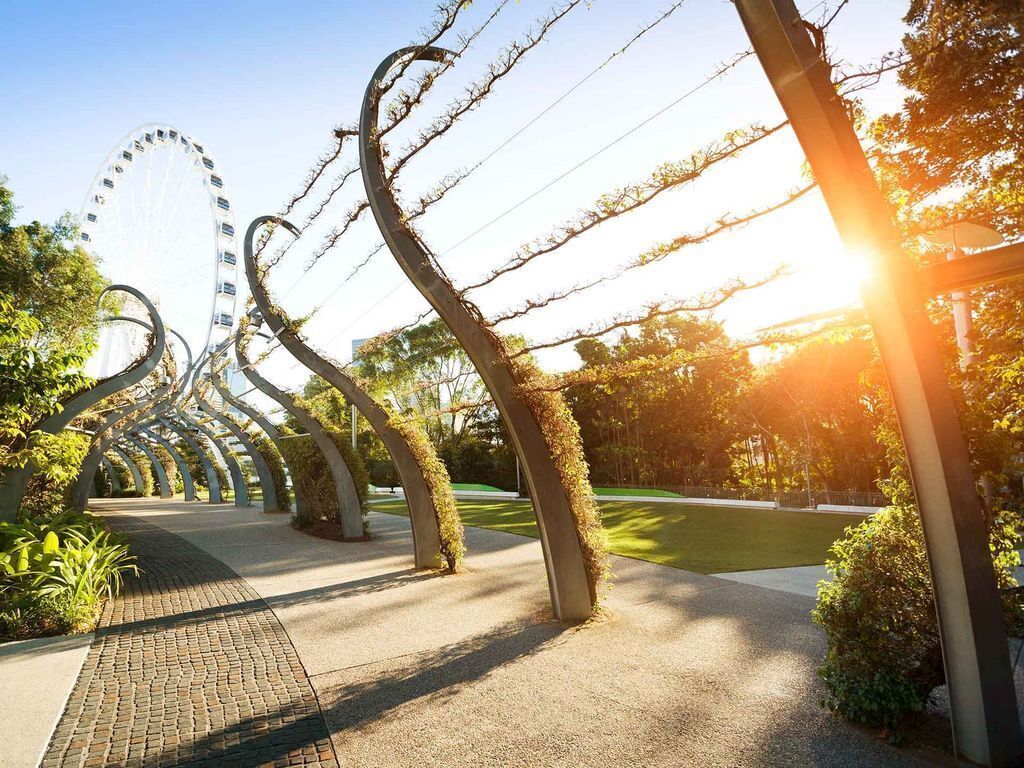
{"type": "Point", "coordinates": [598, 491]}
{"type": "Point", "coordinates": [688, 536]}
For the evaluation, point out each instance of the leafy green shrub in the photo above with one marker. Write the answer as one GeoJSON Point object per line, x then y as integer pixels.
{"type": "Point", "coordinates": [884, 658]}
{"type": "Point", "coordinates": [439, 485]}
{"type": "Point", "coordinates": [141, 462]}
{"type": "Point", "coordinates": [313, 480]}
{"type": "Point", "coordinates": [170, 469]}
{"type": "Point", "coordinates": [271, 455]}
{"type": "Point", "coordinates": [102, 486]}
{"type": "Point", "coordinates": [56, 468]}
{"type": "Point", "coordinates": [124, 476]}
{"type": "Point", "coordinates": [195, 468]}
{"type": "Point", "coordinates": [55, 575]}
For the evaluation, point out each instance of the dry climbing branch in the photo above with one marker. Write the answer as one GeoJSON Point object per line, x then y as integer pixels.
{"type": "Point", "coordinates": [476, 93]}
{"type": "Point", "coordinates": [407, 100]}
{"type": "Point", "coordinates": [621, 371]}
{"type": "Point", "coordinates": [650, 256]}
{"type": "Point", "coordinates": [653, 311]}
{"type": "Point", "coordinates": [633, 196]}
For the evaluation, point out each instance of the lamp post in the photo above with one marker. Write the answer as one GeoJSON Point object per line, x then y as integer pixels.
{"type": "Point", "coordinates": [959, 236]}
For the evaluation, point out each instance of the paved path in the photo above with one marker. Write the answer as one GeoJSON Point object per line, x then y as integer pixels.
{"type": "Point", "coordinates": [413, 669]}
{"type": "Point", "coordinates": [189, 667]}
{"type": "Point", "coordinates": [39, 675]}
{"type": "Point", "coordinates": [799, 580]}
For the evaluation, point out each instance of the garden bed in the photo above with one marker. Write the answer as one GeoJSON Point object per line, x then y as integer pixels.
{"type": "Point", "coordinates": [56, 574]}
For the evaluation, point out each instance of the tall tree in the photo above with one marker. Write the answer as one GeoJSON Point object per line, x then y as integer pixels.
{"type": "Point", "coordinates": [679, 427]}
{"type": "Point", "coordinates": [955, 152]}
{"type": "Point", "coordinates": [815, 411]}
{"type": "Point", "coordinates": [48, 276]}
{"type": "Point", "coordinates": [427, 375]}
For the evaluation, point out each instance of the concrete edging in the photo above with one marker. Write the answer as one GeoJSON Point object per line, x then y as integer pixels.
{"type": "Point", "coordinates": [44, 670]}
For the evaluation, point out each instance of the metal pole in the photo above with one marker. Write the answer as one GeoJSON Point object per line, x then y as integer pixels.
{"type": "Point", "coordinates": [355, 415]}
{"type": "Point", "coordinates": [807, 482]}
{"type": "Point", "coordinates": [962, 320]}
{"type": "Point", "coordinates": [974, 644]}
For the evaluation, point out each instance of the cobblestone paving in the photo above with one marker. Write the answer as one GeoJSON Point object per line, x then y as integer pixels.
{"type": "Point", "coordinates": [189, 667]}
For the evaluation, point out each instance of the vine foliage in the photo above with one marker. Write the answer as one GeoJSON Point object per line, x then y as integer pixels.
{"type": "Point", "coordinates": [274, 461]}
{"type": "Point", "coordinates": [312, 477]}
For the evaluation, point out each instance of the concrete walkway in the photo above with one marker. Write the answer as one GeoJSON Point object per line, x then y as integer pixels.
{"type": "Point", "coordinates": [36, 678]}
{"type": "Point", "coordinates": [799, 580]}
{"type": "Point", "coordinates": [414, 669]}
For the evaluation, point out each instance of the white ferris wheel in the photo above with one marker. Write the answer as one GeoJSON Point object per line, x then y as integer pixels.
{"type": "Point", "coordinates": [158, 217]}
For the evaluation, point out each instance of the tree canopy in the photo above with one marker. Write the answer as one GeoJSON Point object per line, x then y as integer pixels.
{"type": "Point", "coordinates": [46, 274]}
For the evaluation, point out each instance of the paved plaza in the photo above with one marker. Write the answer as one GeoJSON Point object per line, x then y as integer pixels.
{"type": "Point", "coordinates": [245, 642]}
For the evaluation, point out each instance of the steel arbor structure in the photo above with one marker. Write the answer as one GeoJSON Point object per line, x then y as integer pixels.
{"type": "Point", "coordinates": [130, 463]}
{"type": "Point", "coordinates": [115, 481]}
{"type": "Point", "coordinates": [212, 481]}
{"type": "Point", "coordinates": [270, 502]}
{"type": "Point", "coordinates": [268, 427]}
{"type": "Point", "coordinates": [14, 480]}
{"type": "Point", "coordinates": [426, 538]}
{"type": "Point", "coordinates": [572, 598]}
{"type": "Point", "coordinates": [986, 729]}
{"type": "Point", "coordinates": [79, 491]}
{"type": "Point", "coordinates": [238, 481]}
{"type": "Point", "coordinates": [344, 486]}
{"type": "Point", "coordinates": [162, 483]}
{"type": "Point", "coordinates": [188, 487]}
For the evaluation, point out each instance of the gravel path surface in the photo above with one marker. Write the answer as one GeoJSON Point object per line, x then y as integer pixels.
{"type": "Point", "coordinates": [414, 669]}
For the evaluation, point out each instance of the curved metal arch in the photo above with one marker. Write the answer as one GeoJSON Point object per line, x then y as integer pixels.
{"type": "Point", "coordinates": [14, 480]}
{"type": "Point", "coordinates": [160, 398]}
{"type": "Point", "coordinates": [131, 375]}
{"type": "Point", "coordinates": [426, 538]}
{"type": "Point", "coordinates": [212, 482]}
{"type": "Point", "coordinates": [110, 437]}
{"type": "Point", "coordinates": [983, 704]}
{"type": "Point", "coordinates": [349, 507]}
{"type": "Point", "coordinates": [130, 463]}
{"type": "Point", "coordinates": [78, 493]}
{"type": "Point", "coordinates": [189, 488]}
{"type": "Point", "coordinates": [270, 503]}
{"type": "Point", "coordinates": [188, 368]}
{"type": "Point", "coordinates": [268, 427]}
{"type": "Point", "coordinates": [115, 481]}
{"type": "Point", "coordinates": [238, 480]}
{"type": "Point", "coordinates": [163, 484]}
{"type": "Point", "coordinates": [573, 594]}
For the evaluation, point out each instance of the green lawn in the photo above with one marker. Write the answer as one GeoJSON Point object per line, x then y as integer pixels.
{"type": "Point", "coordinates": [473, 487]}
{"type": "Point", "coordinates": [696, 538]}
{"type": "Point", "coordinates": [635, 492]}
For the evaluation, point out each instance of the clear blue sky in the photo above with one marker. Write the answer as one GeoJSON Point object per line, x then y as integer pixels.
{"type": "Point", "coordinates": [263, 83]}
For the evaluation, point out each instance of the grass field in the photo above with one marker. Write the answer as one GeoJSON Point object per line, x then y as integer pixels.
{"type": "Point", "coordinates": [635, 492]}
{"type": "Point", "coordinates": [696, 538]}
{"type": "Point", "coordinates": [473, 487]}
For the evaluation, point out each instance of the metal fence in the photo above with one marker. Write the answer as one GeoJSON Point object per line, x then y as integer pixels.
{"type": "Point", "coordinates": [798, 499]}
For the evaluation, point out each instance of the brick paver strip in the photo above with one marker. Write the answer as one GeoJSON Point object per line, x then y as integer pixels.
{"type": "Point", "coordinates": [189, 667]}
